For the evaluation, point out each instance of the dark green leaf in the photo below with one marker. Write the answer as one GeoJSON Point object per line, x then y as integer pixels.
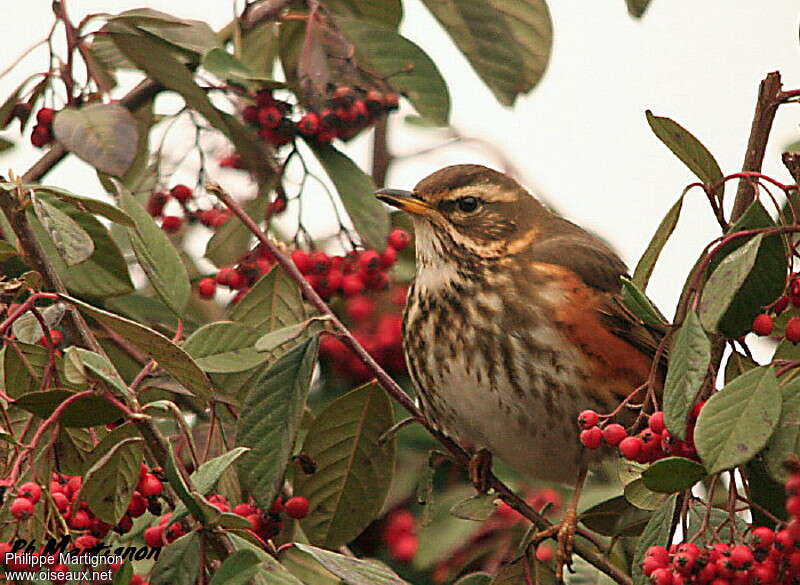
{"type": "Point", "coordinates": [357, 193]}
{"type": "Point", "coordinates": [766, 280]}
{"type": "Point", "coordinates": [74, 245]}
{"type": "Point", "coordinates": [104, 274]}
{"type": "Point", "coordinates": [272, 303]}
{"type": "Point", "coordinates": [615, 517]}
{"type": "Point", "coordinates": [737, 421]}
{"type": "Point", "coordinates": [766, 492]}
{"type": "Point", "coordinates": [498, 52]}
{"type": "Point", "coordinates": [475, 579]}
{"type": "Point", "coordinates": [270, 418]}
{"type": "Point", "coordinates": [232, 240]}
{"type": "Point", "coordinates": [156, 255]}
{"type": "Point", "coordinates": [688, 366]}
{"type": "Point", "coordinates": [103, 135]}
{"type": "Point", "coordinates": [27, 329]}
{"type": "Point", "coordinates": [197, 506]}
{"type": "Point", "coordinates": [737, 365]}
{"type": "Point", "coordinates": [224, 347]}
{"type": "Point", "coordinates": [227, 67]}
{"type": "Point", "coordinates": [103, 369]}
{"type": "Point", "coordinates": [259, 48]}
{"type": "Point", "coordinates": [657, 533]}
{"type": "Point", "coordinates": [637, 8]}
{"type": "Point", "coordinates": [638, 304]}
{"type": "Point", "coordinates": [641, 497]}
{"type": "Point", "coordinates": [87, 204]}
{"type": "Point", "coordinates": [85, 412]}
{"type": "Point", "coordinates": [673, 474]}
{"type": "Point", "coordinates": [237, 569]}
{"type": "Point", "coordinates": [169, 356]}
{"type": "Point", "coordinates": [387, 13]}
{"type": "Point", "coordinates": [108, 484]}
{"type": "Point", "coordinates": [687, 148]}
{"type": "Point", "coordinates": [351, 570]}
{"type": "Point", "coordinates": [786, 439]}
{"type": "Point", "coordinates": [274, 340]}
{"type": "Point", "coordinates": [124, 575]}
{"type": "Point", "coordinates": [191, 36]}
{"type": "Point", "coordinates": [271, 572]}
{"type": "Point", "coordinates": [723, 284]}
{"type": "Point", "coordinates": [644, 268]}
{"type": "Point", "coordinates": [354, 469]}
{"type": "Point", "coordinates": [389, 54]}
{"type": "Point", "coordinates": [179, 562]}
{"type": "Point", "coordinates": [7, 250]}
{"type": "Point", "coordinates": [478, 508]}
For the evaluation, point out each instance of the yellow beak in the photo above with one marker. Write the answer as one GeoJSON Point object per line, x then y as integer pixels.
{"type": "Point", "coordinates": [404, 200]}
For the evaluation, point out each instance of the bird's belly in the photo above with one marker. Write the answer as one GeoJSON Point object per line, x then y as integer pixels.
{"type": "Point", "coordinates": [515, 396]}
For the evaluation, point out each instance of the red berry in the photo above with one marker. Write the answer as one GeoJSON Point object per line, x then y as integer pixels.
{"type": "Point", "coordinates": [30, 490]}
{"type": "Point", "coordinates": [391, 101]}
{"type": "Point", "coordinates": [320, 262]}
{"type": "Point", "coordinates": [308, 124]}
{"type": "Point", "coordinates": [650, 564]}
{"type": "Point", "coordinates": [631, 447]}
{"type": "Point", "coordinates": [182, 193]}
{"type": "Point", "coordinates": [793, 506]}
{"type": "Point", "coordinates": [206, 287]}
{"type": "Point", "coordinates": [762, 324]}
{"type": "Point", "coordinates": [41, 135]}
{"type": "Point", "coordinates": [544, 553]}
{"type": "Point", "coordinates": [296, 507]}
{"type": "Point", "coordinates": [154, 536]}
{"type": "Point", "coordinates": [359, 308]}
{"type": "Point", "coordinates": [781, 304]}
{"type": "Point", "coordinates": [55, 335]}
{"type": "Point", "coordinates": [343, 93]}
{"type": "Point", "coordinates": [661, 577]}
{"type": "Point", "coordinates": [399, 239]}
{"type": "Point", "coordinates": [793, 330]}
{"type": "Point", "coordinates": [302, 261]}
{"type": "Point", "coordinates": [230, 277]}
{"type": "Point", "coordinates": [741, 556]}
{"type": "Point", "coordinates": [171, 223]}
{"type": "Point", "coordinates": [792, 485]}
{"type": "Point", "coordinates": [278, 206]}
{"type": "Point", "coordinates": [155, 204]}
{"type": "Point", "coordinates": [404, 547]}
{"type": "Point", "coordinates": [149, 485]}
{"type": "Point", "coordinates": [22, 508]}
{"type": "Point", "coordinates": [614, 433]}
{"type": "Point", "coordinates": [269, 117]}
{"type": "Point", "coordinates": [763, 537]}
{"type": "Point", "coordinates": [45, 116]}
{"type": "Point", "coordinates": [85, 542]}
{"type": "Point", "coordinates": [369, 260]}
{"type": "Point", "coordinates": [588, 419]}
{"type": "Point", "coordinates": [61, 501]}
{"type": "Point", "coordinates": [352, 284]}
{"type": "Point", "coordinates": [137, 505]}
{"type": "Point", "coordinates": [656, 422]}
{"type": "Point", "coordinates": [591, 438]}
{"type": "Point", "coordinates": [80, 520]}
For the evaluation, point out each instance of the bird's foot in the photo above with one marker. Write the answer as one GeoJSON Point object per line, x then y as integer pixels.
{"type": "Point", "coordinates": [564, 533]}
{"type": "Point", "coordinates": [480, 470]}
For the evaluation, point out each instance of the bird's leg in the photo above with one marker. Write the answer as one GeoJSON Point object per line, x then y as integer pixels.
{"type": "Point", "coordinates": [480, 470]}
{"type": "Point", "coordinates": [564, 531]}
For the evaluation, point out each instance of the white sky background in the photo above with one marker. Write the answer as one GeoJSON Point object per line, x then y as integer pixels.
{"type": "Point", "coordinates": [580, 139]}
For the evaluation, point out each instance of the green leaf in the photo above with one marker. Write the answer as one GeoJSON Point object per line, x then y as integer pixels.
{"type": "Point", "coordinates": [766, 280]}
{"type": "Point", "coordinates": [179, 562]}
{"type": "Point", "coordinates": [108, 484]}
{"type": "Point", "coordinates": [673, 474]}
{"type": "Point", "coordinates": [351, 570]}
{"type": "Point", "coordinates": [388, 54]}
{"type": "Point", "coordinates": [688, 366]}
{"type": "Point", "coordinates": [737, 365]}
{"type": "Point", "coordinates": [74, 245]}
{"type": "Point", "coordinates": [272, 303]}
{"type": "Point", "coordinates": [478, 508]}
{"type": "Point", "coordinates": [192, 37]}
{"type": "Point", "coordinates": [270, 418]}
{"type": "Point", "coordinates": [86, 204]}
{"type": "Point", "coordinates": [357, 193]}
{"type": "Point", "coordinates": [723, 284]}
{"type": "Point", "coordinates": [156, 255]}
{"type": "Point", "coordinates": [737, 421]}
{"type": "Point", "coordinates": [646, 264]}
{"type": "Point", "coordinates": [232, 240]}
{"type": "Point", "coordinates": [103, 369]}
{"type": "Point", "coordinates": [27, 329]}
{"type": "Point", "coordinates": [354, 469]}
{"type": "Point", "coordinates": [89, 411]}
{"type": "Point", "coordinates": [785, 441]}
{"type": "Point", "coordinates": [638, 304]}
{"type": "Point", "coordinates": [687, 148]}
{"type": "Point", "coordinates": [169, 356]}
{"type": "Point", "coordinates": [388, 13]}
{"type": "Point", "coordinates": [103, 135]}
{"type": "Point", "coordinates": [124, 575]}
{"type": "Point", "coordinates": [227, 67]}
{"type": "Point", "coordinates": [7, 251]}
{"type": "Point", "coordinates": [641, 497]}
{"type": "Point", "coordinates": [615, 517]}
{"type": "Point", "coordinates": [237, 569]}
{"type": "Point", "coordinates": [271, 572]}
{"type": "Point", "coordinates": [104, 274]}
{"type": "Point", "coordinates": [637, 8]}
{"type": "Point", "coordinates": [657, 533]}
{"type": "Point", "coordinates": [224, 347]}
{"type": "Point", "coordinates": [475, 579]}
{"type": "Point", "coordinates": [280, 337]}
{"type": "Point", "coordinates": [259, 47]}
{"type": "Point", "coordinates": [766, 491]}
{"type": "Point", "coordinates": [508, 68]}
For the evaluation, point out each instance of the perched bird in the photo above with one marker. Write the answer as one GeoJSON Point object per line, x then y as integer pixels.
{"type": "Point", "coordinates": [514, 323]}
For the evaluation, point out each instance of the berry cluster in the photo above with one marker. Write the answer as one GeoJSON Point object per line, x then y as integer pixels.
{"type": "Point", "coordinates": [651, 444]}
{"type": "Point", "coordinates": [769, 557]}
{"type": "Point", "coordinates": [43, 130]}
{"type": "Point", "coordinates": [185, 197]}
{"type": "Point", "coordinates": [55, 335]}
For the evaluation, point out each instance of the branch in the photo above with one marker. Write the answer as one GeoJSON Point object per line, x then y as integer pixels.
{"type": "Point", "coordinates": [398, 394]}
{"type": "Point", "coordinates": [381, 157]}
{"type": "Point", "coordinates": [770, 97]}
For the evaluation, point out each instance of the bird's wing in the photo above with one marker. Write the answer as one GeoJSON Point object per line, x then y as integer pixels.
{"type": "Point", "coordinates": [600, 269]}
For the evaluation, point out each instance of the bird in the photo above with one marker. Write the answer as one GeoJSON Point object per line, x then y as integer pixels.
{"type": "Point", "coordinates": [514, 324]}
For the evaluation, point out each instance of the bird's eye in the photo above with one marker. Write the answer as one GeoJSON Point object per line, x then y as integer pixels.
{"type": "Point", "coordinates": [467, 204]}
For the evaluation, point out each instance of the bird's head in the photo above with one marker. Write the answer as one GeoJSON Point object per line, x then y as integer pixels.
{"type": "Point", "coordinates": [469, 210]}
